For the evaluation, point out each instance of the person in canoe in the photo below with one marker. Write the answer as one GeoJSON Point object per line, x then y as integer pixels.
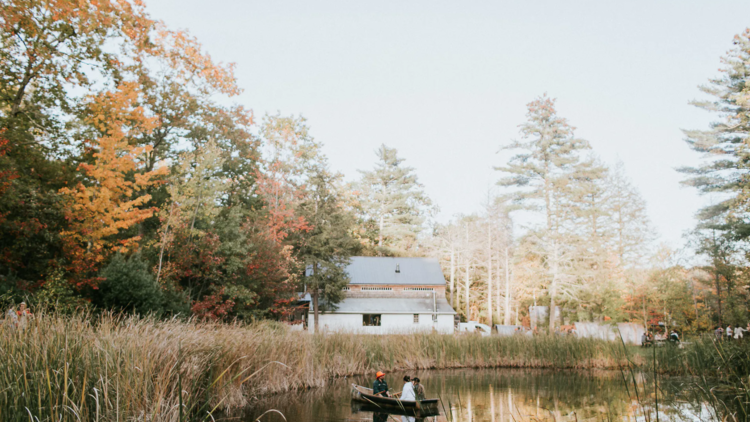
{"type": "Point", "coordinates": [418, 389]}
{"type": "Point", "coordinates": [380, 387]}
{"type": "Point", "coordinates": [408, 391]}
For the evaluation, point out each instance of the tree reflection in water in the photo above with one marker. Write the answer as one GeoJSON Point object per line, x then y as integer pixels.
{"type": "Point", "coordinates": [498, 395]}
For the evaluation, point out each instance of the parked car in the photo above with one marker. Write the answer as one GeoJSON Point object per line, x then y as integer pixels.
{"type": "Point", "coordinates": [475, 327]}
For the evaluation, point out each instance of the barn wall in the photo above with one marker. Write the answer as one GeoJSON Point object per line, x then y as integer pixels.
{"type": "Point", "coordinates": [445, 324]}
{"type": "Point", "coordinates": [390, 323]}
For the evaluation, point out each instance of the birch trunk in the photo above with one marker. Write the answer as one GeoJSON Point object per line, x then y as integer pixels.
{"type": "Point", "coordinates": [458, 285]}
{"type": "Point", "coordinates": [553, 286]}
{"type": "Point", "coordinates": [507, 289]}
{"type": "Point", "coordinates": [468, 260]}
{"type": "Point", "coordinates": [498, 287]}
{"type": "Point", "coordinates": [489, 276]}
{"type": "Point", "coordinates": [453, 274]}
{"type": "Point", "coordinates": [466, 287]}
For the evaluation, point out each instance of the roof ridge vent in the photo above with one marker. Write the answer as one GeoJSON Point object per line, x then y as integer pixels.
{"type": "Point", "coordinates": [398, 268]}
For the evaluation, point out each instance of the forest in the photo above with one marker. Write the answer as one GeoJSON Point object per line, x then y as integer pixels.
{"type": "Point", "coordinates": [131, 180]}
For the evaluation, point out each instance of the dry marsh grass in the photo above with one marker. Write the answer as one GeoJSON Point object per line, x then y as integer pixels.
{"type": "Point", "coordinates": [112, 368]}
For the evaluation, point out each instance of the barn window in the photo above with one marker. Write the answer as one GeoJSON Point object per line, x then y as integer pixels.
{"type": "Point", "coordinates": [416, 318]}
{"type": "Point", "coordinates": [371, 320]}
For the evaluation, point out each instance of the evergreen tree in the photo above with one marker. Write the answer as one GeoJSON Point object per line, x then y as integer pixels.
{"type": "Point", "coordinates": [395, 200]}
{"type": "Point", "coordinates": [128, 285]}
{"type": "Point", "coordinates": [725, 145]}
{"type": "Point", "coordinates": [550, 158]}
{"type": "Point", "coordinates": [629, 224]}
{"type": "Point", "coordinates": [325, 248]}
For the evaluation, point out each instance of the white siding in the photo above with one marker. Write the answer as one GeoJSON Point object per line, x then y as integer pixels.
{"type": "Point", "coordinates": [390, 323]}
{"type": "Point", "coordinates": [445, 324]}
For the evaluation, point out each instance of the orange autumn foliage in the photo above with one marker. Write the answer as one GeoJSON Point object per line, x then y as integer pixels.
{"type": "Point", "coordinates": [110, 200]}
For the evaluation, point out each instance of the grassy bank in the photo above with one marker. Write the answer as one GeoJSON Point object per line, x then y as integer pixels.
{"type": "Point", "coordinates": [108, 368]}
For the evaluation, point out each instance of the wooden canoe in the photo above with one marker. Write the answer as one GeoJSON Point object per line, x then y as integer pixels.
{"type": "Point", "coordinates": [364, 395]}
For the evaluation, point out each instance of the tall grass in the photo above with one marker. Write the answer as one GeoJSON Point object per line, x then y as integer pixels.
{"type": "Point", "coordinates": [112, 368]}
{"type": "Point", "coordinates": [718, 374]}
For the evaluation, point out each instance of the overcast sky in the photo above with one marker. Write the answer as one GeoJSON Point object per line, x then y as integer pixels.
{"type": "Point", "coordinates": [447, 83]}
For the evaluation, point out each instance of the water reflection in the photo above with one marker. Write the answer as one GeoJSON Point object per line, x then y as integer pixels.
{"type": "Point", "coordinates": [498, 395]}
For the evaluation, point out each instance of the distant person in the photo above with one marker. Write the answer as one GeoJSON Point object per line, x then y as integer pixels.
{"type": "Point", "coordinates": [380, 386]}
{"type": "Point", "coordinates": [729, 332]}
{"type": "Point", "coordinates": [23, 315]}
{"type": "Point", "coordinates": [644, 339]}
{"type": "Point", "coordinates": [719, 332]}
{"type": "Point", "coordinates": [674, 337]}
{"type": "Point", "coordinates": [418, 389]}
{"type": "Point", "coordinates": [738, 333]}
{"type": "Point", "coordinates": [407, 393]}
{"type": "Point", "coordinates": [12, 317]}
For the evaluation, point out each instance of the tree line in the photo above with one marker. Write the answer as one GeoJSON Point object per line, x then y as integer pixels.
{"type": "Point", "coordinates": [131, 180]}
{"type": "Point", "coordinates": [592, 252]}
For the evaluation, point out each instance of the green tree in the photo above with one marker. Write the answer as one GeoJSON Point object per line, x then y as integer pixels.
{"type": "Point", "coordinates": [326, 248]}
{"type": "Point", "coordinates": [726, 168]}
{"type": "Point", "coordinates": [128, 285]}
{"type": "Point", "coordinates": [393, 198]}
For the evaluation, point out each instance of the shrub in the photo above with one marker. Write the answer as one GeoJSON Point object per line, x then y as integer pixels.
{"type": "Point", "coordinates": [127, 285]}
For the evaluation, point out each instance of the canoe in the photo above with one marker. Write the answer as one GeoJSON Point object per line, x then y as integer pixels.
{"type": "Point", "coordinates": [380, 409]}
{"type": "Point", "coordinates": [364, 395]}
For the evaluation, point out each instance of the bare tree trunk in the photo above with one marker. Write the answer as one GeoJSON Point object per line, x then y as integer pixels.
{"type": "Point", "coordinates": [468, 260]}
{"type": "Point", "coordinates": [380, 230]}
{"type": "Point", "coordinates": [466, 287]}
{"type": "Point", "coordinates": [553, 287]}
{"type": "Point", "coordinates": [315, 308]}
{"type": "Point", "coordinates": [507, 288]}
{"type": "Point", "coordinates": [457, 307]}
{"type": "Point", "coordinates": [315, 292]}
{"type": "Point", "coordinates": [489, 275]}
{"type": "Point", "coordinates": [498, 284]}
{"type": "Point", "coordinates": [195, 213]}
{"type": "Point", "coordinates": [453, 273]}
{"type": "Point", "coordinates": [718, 291]}
{"type": "Point", "coordinates": [164, 241]}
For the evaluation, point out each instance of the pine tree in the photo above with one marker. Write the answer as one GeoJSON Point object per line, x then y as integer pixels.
{"type": "Point", "coordinates": [326, 248]}
{"type": "Point", "coordinates": [395, 200]}
{"type": "Point", "coordinates": [541, 173]}
{"type": "Point", "coordinates": [725, 146]}
{"type": "Point", "coordinates": [630, 226]}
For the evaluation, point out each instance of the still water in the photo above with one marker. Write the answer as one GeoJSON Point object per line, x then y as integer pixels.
{"type": "Point", "coordinates": [500, 395]}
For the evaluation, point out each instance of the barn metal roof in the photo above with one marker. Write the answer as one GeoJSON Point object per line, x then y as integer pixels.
{"type": "Point", "coordinates": [379, 305]}
{"type": "Point", "coordinates": [382, 270]}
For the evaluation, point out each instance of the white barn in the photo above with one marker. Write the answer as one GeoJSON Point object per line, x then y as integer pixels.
{"type": "Point", "coordinates": [388, 296]}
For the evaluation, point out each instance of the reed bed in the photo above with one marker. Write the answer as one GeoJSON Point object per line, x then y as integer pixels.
{"type": "Point", "coordinates": [110, 368]}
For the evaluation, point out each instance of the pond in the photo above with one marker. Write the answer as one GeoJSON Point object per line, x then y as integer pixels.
{"type": "Point", "coordinates": [499, 395]}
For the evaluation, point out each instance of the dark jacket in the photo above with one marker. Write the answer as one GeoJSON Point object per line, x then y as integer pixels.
{"type": "Point", "coordinates": [379, 386]}
{"type": "Point", "coordinates": [419, 391]}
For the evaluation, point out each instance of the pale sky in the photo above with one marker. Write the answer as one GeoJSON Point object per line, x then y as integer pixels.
{"type": "Point", "coordinates": [447, 83]}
